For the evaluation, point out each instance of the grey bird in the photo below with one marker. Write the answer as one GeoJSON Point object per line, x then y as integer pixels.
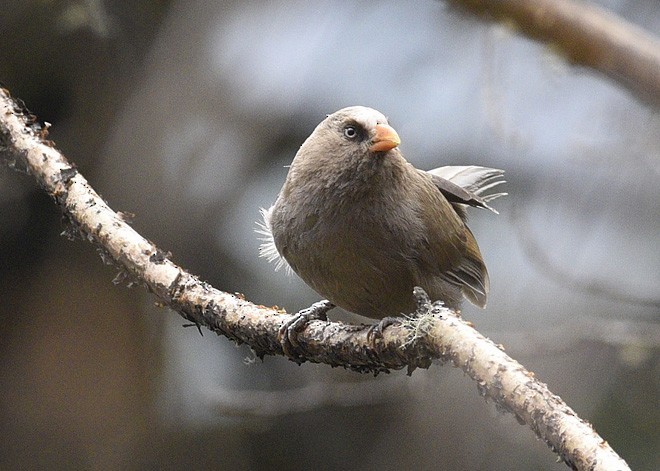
{"type": "Point", "coordinates": [363, 227]}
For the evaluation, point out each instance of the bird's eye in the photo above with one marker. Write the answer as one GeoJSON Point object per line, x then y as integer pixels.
{"type": "Point", "coordinates": [350, 132]}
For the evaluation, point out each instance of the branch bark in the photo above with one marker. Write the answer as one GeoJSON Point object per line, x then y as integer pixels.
{"type": "Point", "coordinates": [585, 35]}
{"type": "Point", "coordinates": [437, 333]}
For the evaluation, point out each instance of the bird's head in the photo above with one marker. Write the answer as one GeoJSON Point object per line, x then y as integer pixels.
{"type": "Point", "coordinates": [351, 148]}
{"type": "Point", "coordinates": [357, 129]}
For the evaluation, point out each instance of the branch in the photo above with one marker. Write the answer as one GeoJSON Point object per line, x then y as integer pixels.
{"type": "Point", "coordinates": [585, 35]}
{"type": "Point", "coordinates": [437, 333]}
{"type": "Point", "coordinates": [538, 256]}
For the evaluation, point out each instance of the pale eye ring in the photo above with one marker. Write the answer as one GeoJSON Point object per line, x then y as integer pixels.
{"type": "Point", "coordinates": [350, 132]}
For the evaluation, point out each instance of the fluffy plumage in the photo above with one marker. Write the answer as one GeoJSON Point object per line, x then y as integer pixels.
{"type": "Point", "coordinates": [362, 226]}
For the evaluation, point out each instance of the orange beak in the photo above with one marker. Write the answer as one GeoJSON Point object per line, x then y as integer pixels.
{"type": "Point", "coordinates": [385, 139]}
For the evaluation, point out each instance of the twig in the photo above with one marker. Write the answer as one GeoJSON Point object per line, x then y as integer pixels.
{"type": "Point", "coordinates": [585, 35]}
{"type": "Point", "coordinates": [557, 338]}
{"type": "Point", "coordinates": [538, 256]}
{"type": "Point", "coordinates": [437, 334]}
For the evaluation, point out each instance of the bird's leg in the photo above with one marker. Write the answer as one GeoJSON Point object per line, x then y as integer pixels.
{"type": "Point", "coordinates": [423, 301]}
{"type": "Point", "coordinates": [288, 332]}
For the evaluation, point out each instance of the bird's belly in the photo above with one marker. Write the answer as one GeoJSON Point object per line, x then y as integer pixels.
{"type": "Point", "coordinates": [365, 275]}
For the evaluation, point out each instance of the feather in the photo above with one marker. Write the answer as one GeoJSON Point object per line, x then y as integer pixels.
{"type": "Point", "coordinates": [267, 248]}
{"type": "Point", "coordinates": [473, 179]}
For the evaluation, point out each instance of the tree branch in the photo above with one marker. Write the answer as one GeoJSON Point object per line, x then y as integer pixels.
{"type": "Point", "coordinates": [585, 35]}
{"type": "Point", "coordinates": [438, 333]}
{"type": "Point", "coordinates": [537, 255]}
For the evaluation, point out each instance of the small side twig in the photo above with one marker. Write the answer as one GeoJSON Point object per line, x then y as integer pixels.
{"type": "Point", "coordinates": [585, 35]}
{"type": "Point", "coordinates": [539, 257]}
{"type": "Point", "coordinates": [437, 334]}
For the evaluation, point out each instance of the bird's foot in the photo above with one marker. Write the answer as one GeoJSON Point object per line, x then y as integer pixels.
{"type": "Point", "coordinates": [375, 332]}
{"type": "Point", "coordinates": [424, 304]}
{"type": "Point", "coordinates": [288, 332]}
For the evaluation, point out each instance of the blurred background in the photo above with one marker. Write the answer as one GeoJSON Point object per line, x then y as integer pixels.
{"type": "Point", "coordinates": [186, 114]}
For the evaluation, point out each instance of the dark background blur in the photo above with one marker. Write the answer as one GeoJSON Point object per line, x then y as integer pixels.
{"type": "Point", "coordinates": [186, 112]}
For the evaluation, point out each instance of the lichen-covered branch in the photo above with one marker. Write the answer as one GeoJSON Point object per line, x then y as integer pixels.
{"type": "Point", "coordinates": [437, 333]}
{"type": "Point", "coordinates": [585, 35]}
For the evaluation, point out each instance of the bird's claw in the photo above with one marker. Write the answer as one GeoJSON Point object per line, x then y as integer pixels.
{"type": "Point", "coordinates": [423, 302]}
{"type": "Point", "coordinates": [375, 332]}
{"type": "Point", "coordinates": [289, 330]}
{"type": "Point", "coordinates": [422, 299]}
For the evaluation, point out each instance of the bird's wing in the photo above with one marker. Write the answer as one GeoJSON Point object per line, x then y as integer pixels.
{"type": "Point", "coordinates": [462, 266]}
{"type": "Point", "coordinates": [471, 274]}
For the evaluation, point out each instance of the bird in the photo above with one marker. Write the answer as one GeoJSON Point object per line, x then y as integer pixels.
{"type": "Point", "coordinates": [362, 226]}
